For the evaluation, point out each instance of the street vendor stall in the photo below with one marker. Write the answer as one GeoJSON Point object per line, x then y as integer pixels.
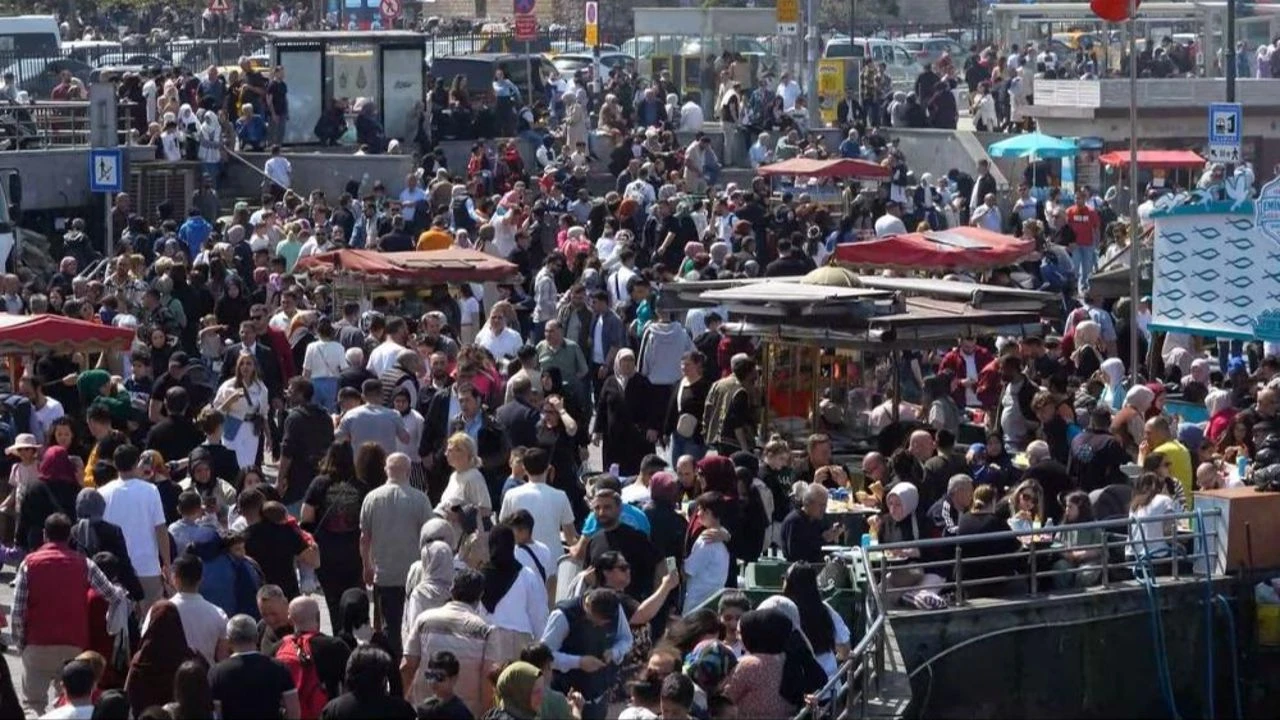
{"type": "Point", "coordinates": [937, 250]}
{"type": "Point", "coordinates": [1157, 168]}
{"type": "Point", "coordinates": [22, 336]}
{"type": "Point", "coordinates": [362, 274]}
{"type": "Point", "coordinates": [831, 352]}
{"type": "Point", "coordinates": [821, 179]}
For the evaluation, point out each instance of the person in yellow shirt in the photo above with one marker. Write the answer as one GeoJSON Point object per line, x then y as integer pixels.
{"type": "Point", "coordinates": [436, 237]}
{"type": "Point", "coordinates": [1159, 438]}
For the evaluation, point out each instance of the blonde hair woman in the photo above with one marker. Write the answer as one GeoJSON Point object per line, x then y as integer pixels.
{"type": "Point", "coordinates": [242, 400]}
{"type": "Point", "coordinates": [467, 485]}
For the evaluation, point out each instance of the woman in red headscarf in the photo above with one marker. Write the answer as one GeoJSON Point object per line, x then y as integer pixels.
{"type": "Point", "coordinates": [55, 493]}
{"type": "Point", "coordinates": [163, 649]}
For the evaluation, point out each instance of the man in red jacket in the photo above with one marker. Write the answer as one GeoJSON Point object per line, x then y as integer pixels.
{"type": "Point", "coordinates": [50, 623]}
{"type": "Point", "coordinates": [966, 361]}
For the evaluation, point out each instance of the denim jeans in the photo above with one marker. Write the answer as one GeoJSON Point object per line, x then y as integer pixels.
{"type": "Point", "coordinates": [326, 392]}
{"type": "Point", "coordinates": [681, 446]}
{"type": "Point", "coordinates": [1084, 258]}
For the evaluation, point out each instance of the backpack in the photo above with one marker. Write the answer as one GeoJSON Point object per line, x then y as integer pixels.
{"type": "Point", "coordinates": [295, 653]}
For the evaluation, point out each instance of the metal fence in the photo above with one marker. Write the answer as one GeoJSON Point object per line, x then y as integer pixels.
{"type": "Point", "coordinates": [1122, 554]}
{"type": "Point", "coordinates": [43, 125]}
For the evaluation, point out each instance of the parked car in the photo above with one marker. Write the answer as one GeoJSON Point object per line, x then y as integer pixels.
{"type": "Point", "coordinates": [931, 48]}
{"type": "Point", "coordinates": [900, 62]}
{"type": "Point", "coordinates": [478, 70]}
{"type": "Point", "coordinates": [39, 78]}
{"type": "Point", "coordinates": [570, 63]}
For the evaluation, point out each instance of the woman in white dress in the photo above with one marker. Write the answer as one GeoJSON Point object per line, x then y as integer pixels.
{"type": "Point", "coordinates": [241, 399]}
{"type": "Point", "coordinates": [514, 600]}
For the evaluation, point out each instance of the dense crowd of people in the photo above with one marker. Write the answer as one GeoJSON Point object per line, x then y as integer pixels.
{"type": "Point", "coordinates": [537, 499]}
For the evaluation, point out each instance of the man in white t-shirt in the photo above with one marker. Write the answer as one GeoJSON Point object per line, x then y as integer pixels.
{"type": "Point", "coordinates": [549, 506]}
{"type": "Point", "coordinates": [637, 492]}
{"type": "Point", "coordinates": [789, 90]}
{"type": "Point", "coordinates": [386, 354]}
{"type": "Point", "coordinates": [279, 169]}
{"type": "Point", "coordinates": [498, 338]}
{"type": "Point", "coordinates": [133, 505]}
{"type": "Point", "coordinates": [45, 410]}
{"type": "Point", "coordinates": [203, 623]}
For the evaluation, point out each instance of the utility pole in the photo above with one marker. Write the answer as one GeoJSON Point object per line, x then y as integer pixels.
{"type": "Point", "coordinates": [853, 19]}
{"type": "Point", "coordinates": [811, 66]}
{"type": "Point", "coordinates": [1229, 52]}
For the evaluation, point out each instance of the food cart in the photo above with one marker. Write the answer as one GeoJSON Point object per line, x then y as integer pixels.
{"type": "Point", "coordinates": [824, 179]}
{"type": "Point", "coordinates": [831, 341]}
{"type": "Point", "coordinates": [363, 274]}
{"type": "Point", "coordinates": [23, 336]}
{"type": "Point", "coordinates": [1158, 168]}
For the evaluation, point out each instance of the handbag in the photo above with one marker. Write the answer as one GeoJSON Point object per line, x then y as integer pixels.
{"type": "Point", "coordinates": [231, 427]}
{"type": "Point", "coordinates": [686, 425]}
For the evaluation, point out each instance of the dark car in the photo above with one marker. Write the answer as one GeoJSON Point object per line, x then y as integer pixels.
{"type": "Point", "coordinates": [478, 69]}
{"type": "Point", "coordinates": [39, 81]}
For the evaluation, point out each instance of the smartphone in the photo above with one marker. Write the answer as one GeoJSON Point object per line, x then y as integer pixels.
{"type": "Point", "coordinates": [671, 565]}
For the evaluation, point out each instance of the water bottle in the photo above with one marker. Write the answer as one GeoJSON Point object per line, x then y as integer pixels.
{"type": "Point", "coordinates": [614, 470]}
{"type": "Point", "coordinates": [866, 540]}
{"type": "Point", "coordinates": [1242, 467]}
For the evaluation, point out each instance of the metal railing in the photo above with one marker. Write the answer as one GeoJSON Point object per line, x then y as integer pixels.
{"type": "Point", "coordinates": [846, 691]}
{"type": "Point", "coordinates": [45, 124]}
{"type": "Point", "coordinates": [1114, 559]}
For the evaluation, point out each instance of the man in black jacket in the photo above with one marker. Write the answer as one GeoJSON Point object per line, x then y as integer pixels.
{"type": "Point", "coordinates": [308, 433]}
{"type": "Point", "coordinates": [519, 417]}
{"type": "Point", "coordinates": [268, 367]}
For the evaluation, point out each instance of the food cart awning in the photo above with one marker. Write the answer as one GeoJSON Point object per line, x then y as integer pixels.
{"type": "Point", "coordinates": [1148, 159]}
{"type": "Point", "coordinates": [39, 333]}
{"type": "Point", "coordinates": [451, 265]}
{"type": "Point", "coordinates": [957, 248]}
{"type": "Point", "coordinates": [840, 169]}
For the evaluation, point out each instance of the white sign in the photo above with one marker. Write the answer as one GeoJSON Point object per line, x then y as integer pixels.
{"type": "Point", "coordinates": [1224, 154]}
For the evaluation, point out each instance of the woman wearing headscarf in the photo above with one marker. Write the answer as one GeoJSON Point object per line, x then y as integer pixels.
{"type": "Point", "coordinates": [209, 136]}
{"type": "Point", "coordinates": [1179, 358]}
{"type": "Point", "coordinates": [92, 535]}
{"type": "Point", "coordinates": [429, 579]}
{"type": "Point", "coordinates": [1197, 382]}
{"type": "Point", "coordinates": [1113, 392]}
{"type": "Point", "coordinates": [802, 674]}
{"type": "Point", "coordinates": [163, 649]}
{"type": "Point", "coordinates": [1127, 424]}
{"type": "Point", "coordinates": [1221, 412]}
{"type": "Point", "coordinates": [514, 599]}
{"type": "Point", "coordinates": [756, 685]}
{"type": "Point", "coordinates": [97, 387]}
{"type": "Point", "coordinates": [1088, 355]}
{"type": "Point", "coordinates": [518, 692]}
{"type": "Point", "coordinates": [627, 419]}
{"type": "Point", "coordinates": [56, 492]}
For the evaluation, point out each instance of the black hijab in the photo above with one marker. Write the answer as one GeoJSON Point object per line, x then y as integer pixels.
{"type": "Point", "coordinates": [501, 571]}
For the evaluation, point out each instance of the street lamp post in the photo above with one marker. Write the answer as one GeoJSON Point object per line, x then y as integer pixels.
{"type": "Point", "coordinates": [1135, 229]}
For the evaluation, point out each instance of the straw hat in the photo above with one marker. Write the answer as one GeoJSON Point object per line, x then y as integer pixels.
{"type": "Point", "coordinates": [25, 441]}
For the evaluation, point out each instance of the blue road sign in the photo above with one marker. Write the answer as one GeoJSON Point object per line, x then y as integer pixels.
{"type": "Point", "coordinates": [1226, 121]}
{"type": "Point", "coordinates": [106, 170]}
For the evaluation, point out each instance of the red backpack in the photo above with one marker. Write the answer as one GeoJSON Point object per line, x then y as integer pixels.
{"type": "Point", "coordinates": [295, 653]}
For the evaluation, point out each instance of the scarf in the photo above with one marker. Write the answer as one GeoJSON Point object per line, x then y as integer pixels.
{"type": "Point", "coordinates": [90, 507]}
{"type": "Point", "coordinates": [501, 571]}
{"type": "Point", "coordinates": [514, 688]}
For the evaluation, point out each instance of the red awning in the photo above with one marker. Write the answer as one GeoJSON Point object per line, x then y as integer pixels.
{"type": "Point", "coordinates": [842, 168]}
{"type": "Point", "coordinates": [1148, 159]}
{"type": "Point", "coordinates": [964, 247]}
{"type": "Point", "coordinates": [451, 265]}
{"type": "Point", "coordinates": [39, 333]}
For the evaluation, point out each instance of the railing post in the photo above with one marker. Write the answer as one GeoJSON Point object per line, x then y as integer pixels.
{"type": "Point", "coordinates": [1106, 561]}
{"type": "Point", "coordinates": [959, 575]}
{"type": "Point", "coordinates": [1034, 581]}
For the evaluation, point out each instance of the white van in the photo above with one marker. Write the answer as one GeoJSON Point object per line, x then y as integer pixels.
{"type": "Point", "coordinates": [30, 36]}
{"type": "Point", "coordinates": [900, 62]}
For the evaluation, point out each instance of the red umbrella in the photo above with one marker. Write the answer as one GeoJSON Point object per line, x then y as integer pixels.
{"type": "Point", "coordinates": [963, 247]}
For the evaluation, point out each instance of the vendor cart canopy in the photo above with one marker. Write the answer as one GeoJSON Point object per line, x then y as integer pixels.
{"type": "Point", "coordinates": [452, 265]}
{"type": "Point", "coordinates": [22, 334]}
{"type": "Point", "coordinates": [1149, 159]}
{"type": "Point", "coordinates": [839, 169]}
{"type": "Point", "coordinates": [954, 249]}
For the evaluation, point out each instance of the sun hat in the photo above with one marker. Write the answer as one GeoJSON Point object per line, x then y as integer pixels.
{"type": "Point", "coordinates": [24, 441]}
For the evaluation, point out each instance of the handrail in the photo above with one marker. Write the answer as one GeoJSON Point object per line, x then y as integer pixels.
{"type": "Point", "coordinates": [856, 666]}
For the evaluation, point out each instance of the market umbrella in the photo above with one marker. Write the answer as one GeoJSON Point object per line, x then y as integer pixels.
{"type": "Point", "coordinates": [1034, 145]}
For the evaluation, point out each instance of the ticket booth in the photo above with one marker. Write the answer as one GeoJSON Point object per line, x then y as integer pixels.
{"type": "Point", "coordinates": [386, 67]}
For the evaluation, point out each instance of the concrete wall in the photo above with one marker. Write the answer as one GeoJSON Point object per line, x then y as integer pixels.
{"type": "Point", "coordinates": [58, 178]}
{"type": "Point", "coordinates": [1081, 656]}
